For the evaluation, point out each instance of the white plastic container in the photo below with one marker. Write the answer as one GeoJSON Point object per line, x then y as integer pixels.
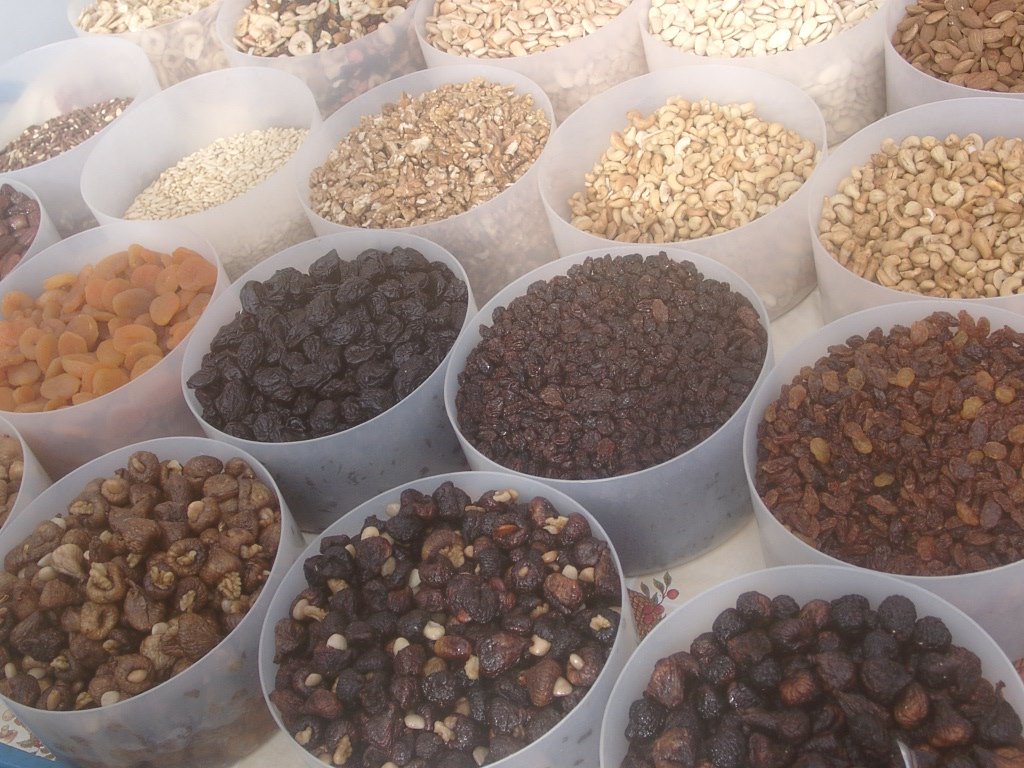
{"type": "Point", "coordinates": [150, 406]}
{"type": "Point", "coordinates": [773, 252]}
{"type": "Point", "coordinates": [336, 472]}
{"type": "Point", "coordinates": [497, 240]}
{"type": "Point", "coordinates": [42, 22]}
{"type": "Point", "coordinates": [906, 86]}
{"type": "Point", "coordinates": [211, 714]}
{"type": "Point", "coordinates": [177, 49]}
{"type": "Point", "coordinates": [54, 80]}
{"type": "Point", "coordinates": [842, 291]}
{"type": "Point", "coordinates": [34, 479]}
{"type": "Point", "coordinates": [339, 74]}
{"type": "Point", "coordinates": [189, 117]}
{"type": "Point", "coordinates": [664, 514]}
{"type": "Point", "coordinates": [46, 235]}
{"type": "Point", "coordinates": [844, 74]}
{"type": "Point", "coordinates": [574, 740]}
{"type": "Point", "coordinates": [993, 598]}
{"type": "Point", "coordinates": [803, 583]}
{"type": "Point", "coordinates": [570, 75]}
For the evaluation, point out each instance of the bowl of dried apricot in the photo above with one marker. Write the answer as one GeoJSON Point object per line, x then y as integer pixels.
{"type": "Point", "coordinates": [90, 339]}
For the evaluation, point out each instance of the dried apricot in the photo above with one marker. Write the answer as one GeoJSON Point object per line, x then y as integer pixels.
{"type": "Point", "coordinates": [59, 281]}
{"type": "Point", "coordinates": [129, 335]}
{"type": "Point", "coordinates": [195, 272]}
{"type": "Point", "coordinates": [179, 331]}
{"type": "Point", "coordinates": [62, 386]}
{"type": "Point", "coordinates": [108, 379]}
{"type": "Point", "coordinates": [167, 280]}
{"type": "Point", "coordinates": [106, 354]}
{"type": "Point", "coordinates": [132, 302]}
{"type": "Point", "coordinates": [86, 327]}
{"type": "Point", "coordinates": [112, 266]}
{"type": "Point", "coordinates": [24, 373]}
{"type": "Point", "coordinates": [78, 365]}
{"type": "Point", "coordinates": [113, 287]}
{"type": "Point", "coordinates": [144, 364]}
{"type": "Point", "coordinates": [144, 276]}
{"type": "Point", "coordinates": [71, 344]}
{"type": "Point", "coordinates": [163, 308]}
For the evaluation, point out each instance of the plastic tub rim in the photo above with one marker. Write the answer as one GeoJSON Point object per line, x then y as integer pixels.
{"type": "Point", "coordinates": [761, 511]}
{"type": "Point", "coordinates": [484, 315]}
{"type": "Point", "coordinates": [189, 395]}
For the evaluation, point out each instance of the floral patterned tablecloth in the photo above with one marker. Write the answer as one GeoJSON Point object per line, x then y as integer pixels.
{"type": "Point", "coordinates": [651, 597]}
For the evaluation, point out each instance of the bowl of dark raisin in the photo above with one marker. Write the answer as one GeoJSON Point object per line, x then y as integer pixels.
{"type": "Point", "coordinates": [327, 363]}
{"type": "Point", "coordinates": [893, 440]}
{"type": "Point", "coordinates": [131, 600]}
{"type": "Point", "coordinates": [474, 618]}
{"type": "Point", "coordinates": [813, 665]}
{"type": "Point", "coordinates": [622, 378]}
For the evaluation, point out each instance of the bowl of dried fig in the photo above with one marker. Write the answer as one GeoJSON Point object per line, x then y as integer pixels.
{"type": "Point", "coordinates": [464, 619]}
{"type": "Point", "coordinates": [134, 589]}
{"type": "Point", "coordinates": [814, 665]}
{"type": "Point", "coordinates": [893, 440]}
{"type": "Point", "coordinates": [622, 377]}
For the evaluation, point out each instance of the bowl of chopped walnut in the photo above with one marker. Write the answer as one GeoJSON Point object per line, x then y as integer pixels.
{"type": "Point", "coordinates": [449, 154]}
{"type": "Point", "coordinates": [134, 591]}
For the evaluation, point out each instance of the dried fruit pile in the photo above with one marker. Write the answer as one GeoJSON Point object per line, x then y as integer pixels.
{"type": "Point", "coordinates": [314, 354]}
{"type": "Point", "coordinates": [149, 570]}
{"type": "Point", "coordinates": [826, 685]}
{"type": "Point", "coordinates": [902, 451]}
{"type": "Point", "coordinates": [452, 633]}
{"type": "Point", "coordinates": [89, 333]}
{"type": "Point", "coordinates": [622, 364]}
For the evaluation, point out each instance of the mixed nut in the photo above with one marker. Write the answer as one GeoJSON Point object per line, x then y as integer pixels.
{"type": "Point", "coordinates": [902, 450]}
{"type": "Point", "coordinates": [827, 684]}
{"type": "Point", "coordinates": [448, 632]}
{"type": "Point", "coordinates": [150, 568]}
{"type": "Point", "coordinates": [314, 354]}
{"type": "Point", "coordinates": [621, 364]}
{"type": "Point", "coordinates": [303, 27]}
